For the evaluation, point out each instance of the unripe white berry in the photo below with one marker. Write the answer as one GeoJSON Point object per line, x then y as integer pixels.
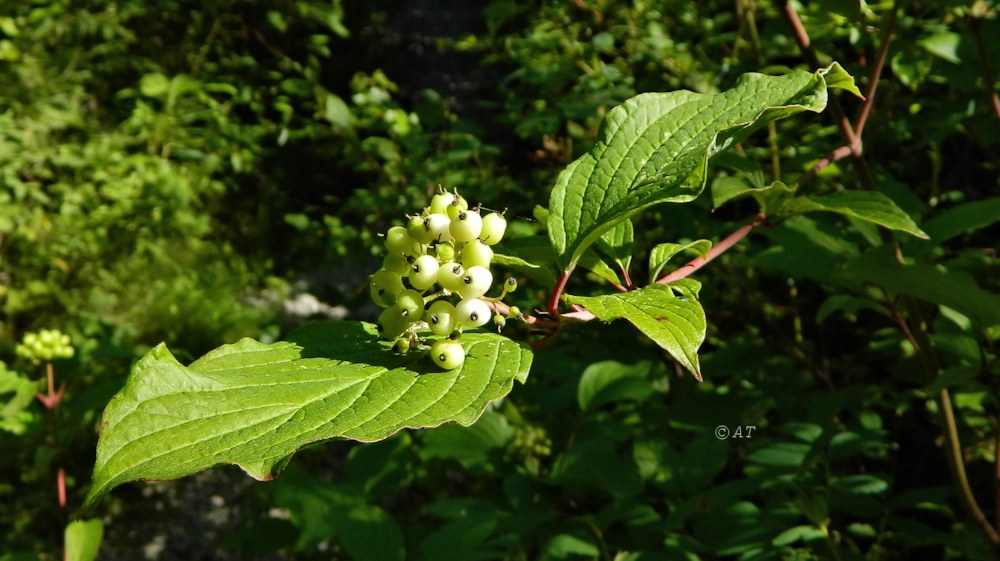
{"type": "Point", "coordinates": [423, 273]}
{"type": "Point", "coordinates": [466, 226]}
{"type": "Point", "coordinates": [473, 312]}
{"type": "Point", "coordinates": [440, 202]}
{"type": "Point", "coordinates": [441, 318]}
{"type": "Point", "coordinates": [450, 275]}
{"type": "Point", "coordinates": [439, 227]}
{"type": "Point", "coordinates": [494, 226]}
{"type": "Point", "coordinates": [447, 354]}
{"type": "Point", "coordinates": [476, 254]}
{"type": "Point", "coordinates": [476, 282]}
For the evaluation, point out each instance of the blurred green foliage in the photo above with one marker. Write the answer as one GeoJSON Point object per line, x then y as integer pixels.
{"type": "Point", "coordinates": [176, 170]}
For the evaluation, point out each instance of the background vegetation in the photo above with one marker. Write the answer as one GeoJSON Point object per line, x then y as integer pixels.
{"type": "Point", "coordinates": [195, 172]}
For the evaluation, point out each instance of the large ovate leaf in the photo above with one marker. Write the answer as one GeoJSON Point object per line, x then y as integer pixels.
{"type": "Point", "coordinates": [655, 147]}
{"type": "Point", "coordinates": [670, 315]}
{"type": "Point", "coordinates": [869, 206]}
{"type": "Point", "coordinates": [253, 405]}
{"type": "Point", "coordinates": [923, 281]}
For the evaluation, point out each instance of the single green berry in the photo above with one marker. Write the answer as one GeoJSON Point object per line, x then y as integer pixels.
{"type": "Point", "coordinates": [494, 226]}
{"type": "Point", "coordinates": [447, 354]}
{"type": "Point", "coordinates": [500, 321]}
{"type": "Point", "coordinates": [385, 287]}
{"type": "Point", "coordinates": [438, 227]}
{"type": "Point", "coordinates": [473, 312]}
{"type": "Point", "coordinates": [466, 226]}
{"type": "Point", "coordinates": [510, 285]}
{"type": "Point", "coordinates": [476, 282]}
{"type": "Point", "coordinates": [440, 202]}
{"type": "Point", "coordinates": [441, 318]}
{"type": "Point", "coordinates": [444, 251]}
{"type": "Point", "coordinates": [415, 228]}
{"type": "Point", "coordinates": [514, 312]}
{"type": "Point", "coordinates": [392, 323]}
{"type": "Point", "coordinates": [411, 304]}
{"type": "Point", "coordinates": [398, 240]}
{"type": "Point", "coordinates": [458, 205]}
{"type": "Point", "coordinates": [450, 275]}
{"type": "Point", "coordinates": [423, 273]}
{"type": "Point", "coordinates": [396, 263]}
{"type": "Point", "coordinates": [401, 346]}
{"type": "Point", "coordinates": [476, 253]}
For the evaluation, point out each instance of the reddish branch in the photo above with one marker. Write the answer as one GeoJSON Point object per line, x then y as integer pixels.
{"type": "Point", "coordinates": [984, 65]}
{"type": "Point", "coordinates": [698, 262]}
{"type": "Point", "coordinates": [883, 53]}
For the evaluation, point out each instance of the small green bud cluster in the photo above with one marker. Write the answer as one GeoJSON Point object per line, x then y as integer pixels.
{"type": "Point", "coordinates": [530, 441]}
{"type": "Point", "coordinates": [44, 346]}
{"type": "Point", "coordinates": [437, 272]}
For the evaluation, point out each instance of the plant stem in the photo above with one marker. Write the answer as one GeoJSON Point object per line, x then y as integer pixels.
{"type": "Point", "coordinates": [558, 290]}
{"type": "Point", "coordinates": [984, 65]}
{"type": "Point", "coordinates": [956, 463]}
{"type": "Point", "coordinates": [690, 267]}
{"type": "Point", "coordinates": [883, 52]}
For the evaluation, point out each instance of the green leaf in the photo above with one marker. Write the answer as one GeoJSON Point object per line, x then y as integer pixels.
{"type": "Point", "coordinates": [523, 256]}
{"type": "Point", "coordinates": [670, 315]}
{"type": "Point", "coordinates": [963, 218]}
{"type": "Point", "coordinates": [607, 381]}
{"type": "Point", "coordinates": [869, 206]}
{"type": "Point", "coordinates": [798, 533]}
{"type": "Point", "coordinates": [83, 539]}
{"type": "Point", "coordinates": [654, 148]}
{"type": "Point", "coordinates": [925, 282]}
{"type": "Point", "coordinates": [254, 405]}
{"type": "Point", "coordinates": [662, 253]}
{"type": "Point", "coordinates": [943, 44]}
{"type": "Point", "coordinates": [566, 546]}
{"type": "Point", "coordinates": [768, 197]}
{"type": "Point", "coordinates": [617, 243]}
{"type": "Point", "coordinates": [13, 416]}
{"type": "Point", "coordinates": [322, 511]}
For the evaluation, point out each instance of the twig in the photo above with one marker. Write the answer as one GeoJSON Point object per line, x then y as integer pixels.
{"type": "Point", "coordinates": [837, 154]}
{"type": "Point", "coordinates": [690, 267]}
{"type": "Point", "coordinates": [883, 52]}
{"type": "Point", "coordinates": [956, 463]}
{"type": "Point", "coordinates": [805, 45]}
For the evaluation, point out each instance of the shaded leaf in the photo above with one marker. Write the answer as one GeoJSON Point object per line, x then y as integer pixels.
{"type": "Point", "coordinates": [925, 282]}
{"type": "Point", "coordinates": [607, 381]}
{"type": "Point", "coordinates": [869, 206]}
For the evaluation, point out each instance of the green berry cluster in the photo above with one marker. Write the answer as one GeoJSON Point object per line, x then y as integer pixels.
{"type": "Point", "coordinates": [530, 441]}
{"type": "Point", "coordinates": [437, 272]}
{"type": "Point", "coordinates": [44, 346]}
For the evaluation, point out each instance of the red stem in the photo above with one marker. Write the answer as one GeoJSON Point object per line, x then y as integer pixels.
{"type": "Point", "coordinates": [984, 63]}
{"type": "Point", "coordinates": [883, 52]}
{"type": "Point", "coordinates": [698, 262]}
{"type": "Point", "coordinates": [558, 290]}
